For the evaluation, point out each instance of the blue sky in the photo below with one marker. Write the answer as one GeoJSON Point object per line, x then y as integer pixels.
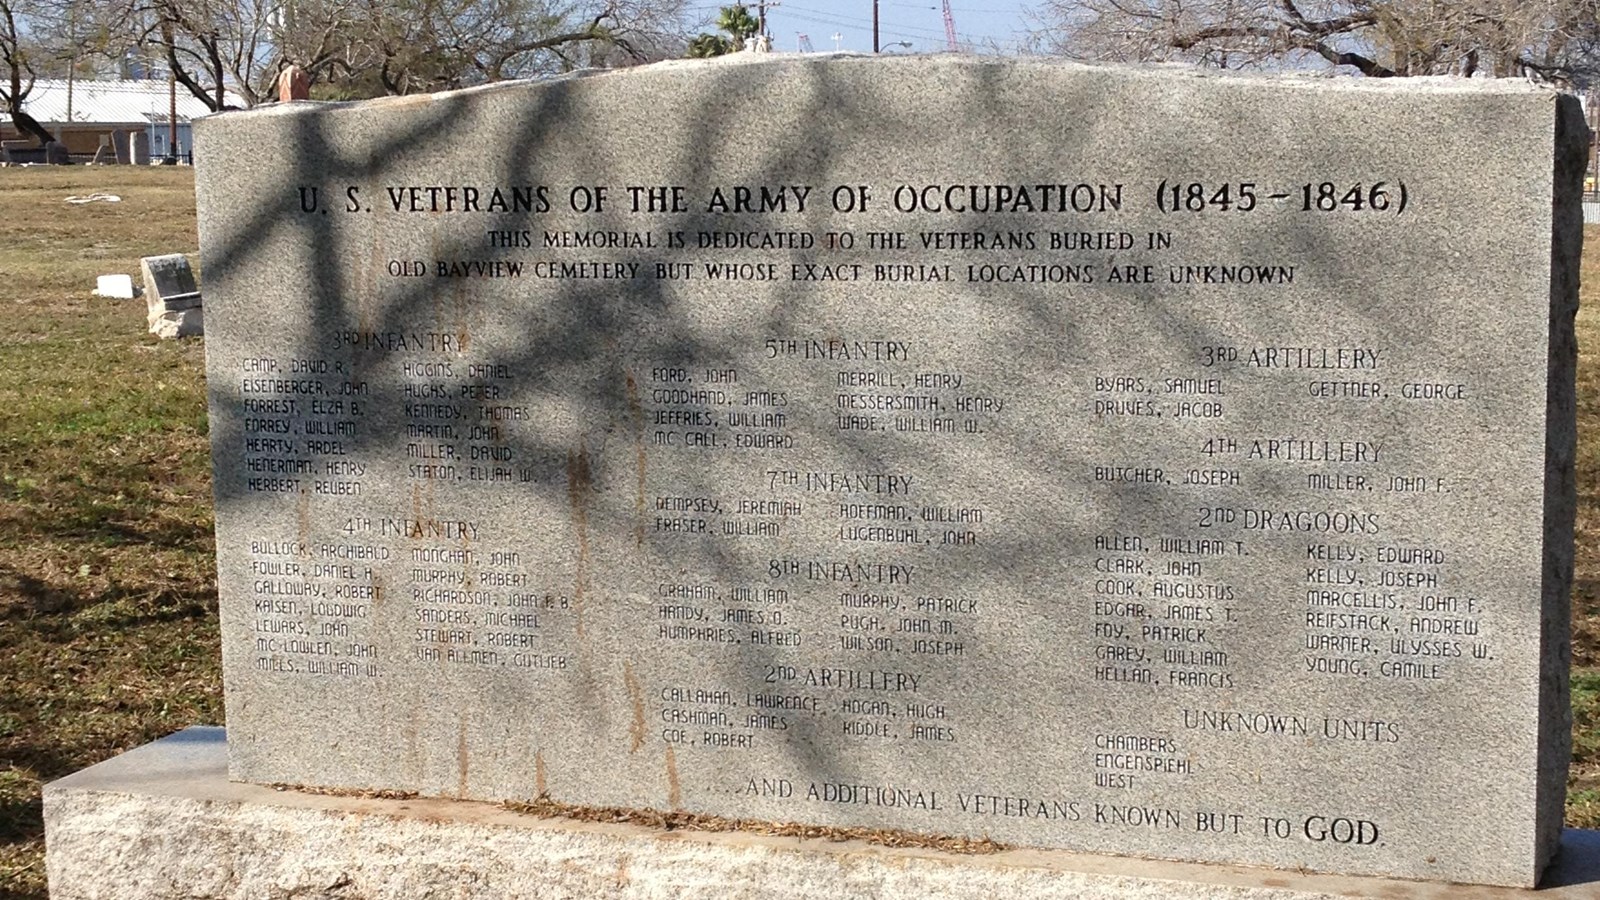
{"type": "Point", "coordinates": [920, 22]}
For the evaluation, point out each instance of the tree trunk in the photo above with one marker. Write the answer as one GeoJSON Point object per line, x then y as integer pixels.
{"type": "Point", "coordinates": [29, 125]}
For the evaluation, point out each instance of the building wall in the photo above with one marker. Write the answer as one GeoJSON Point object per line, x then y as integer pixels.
{"type": "Point", "coordinates": [158, 141]}
{"type": "Point", "coordinates": [83, 140]}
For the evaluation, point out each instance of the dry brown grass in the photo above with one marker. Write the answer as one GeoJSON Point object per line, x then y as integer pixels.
{"type": "Point", "coordinates": [1583, 800]}
{"type": "Point", "coordinates": [107, 599]}
{"type": "Point", "coordinates": [108, 630]}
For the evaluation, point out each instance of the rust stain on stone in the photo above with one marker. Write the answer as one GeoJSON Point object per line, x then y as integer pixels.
{"type": "Point", "coordinates": [461, 758]}
{"type": "Point", "coordinates": [302, 511]}
{"type": "Point", "coordinates": [464, 296]}
{"type": "Point", "coordinates": [469, 581]}
{"type": "Point", "coordinates": [540, 782]}
{"type": "Point", "coordinates": [636, 695]}
{"type": "Point", "coordinates": [674, 788]}
{"type": "Point", "coordinates": [413, 747]}
{"type": "Point", "coordinates": [368, 302]}
{"type": "Point", "coordinates": [578, 488]}
{"type": "Point", "coordinates": [419, 505]}
{"type": "Point", "coordinates": [676, 820]}
{"type": "Point", "coordinates": [635, 407]}
{"type": "Point", "coordinates": [362, 793]}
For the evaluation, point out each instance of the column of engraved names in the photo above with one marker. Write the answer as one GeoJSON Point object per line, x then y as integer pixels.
{"type": "Point", "coordinates": [721, 412]}
{"type": "Point", "coordinates": [1319, 500]}
{"type": "Point", "coordinates": [480, 607]}
{"type": "Point", "coordinates": [474, 598]}
{"type": "Point", "coordinates": [312, 598]}
{"type": "Point", "coordinates": [890, 534]}
{"type": "Point", "coordinates": [472, 601]}
{"type": "Point", "coordinates": [457, 416]}
{"type": "Point", "coordinates": [730, 413]}
{"type": "Point", "coordinates": [1164, 604]}
{"type": "Point", "coordinates": [1377, 603]}
{"type": "Point", "coordinates": [1165, 616]}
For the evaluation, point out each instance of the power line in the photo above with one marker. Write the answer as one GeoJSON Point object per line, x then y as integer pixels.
{"type": "Point", "coordinates": [929, 35]}
{"type": "Point", "coordinates": [847, 21]}
{"type": "Point", "coordinates": [867, 22]}
{"type": "Point", "coordinates": [925, 35]}
{"type": "Point", "coordinates": [959, 9]}
{"type": "Point", "coordinates": [828, 12]}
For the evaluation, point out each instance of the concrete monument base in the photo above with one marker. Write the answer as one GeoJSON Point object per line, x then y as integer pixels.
{"type": "Point", "coordinates": [163, 821]}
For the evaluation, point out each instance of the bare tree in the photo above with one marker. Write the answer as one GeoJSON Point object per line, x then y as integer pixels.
{"type": "Point", "coordinates": [1547, 39]}
{"type": "Point", "coordinates": [228, 52]}
{"type": "Point", "coordinates": [17, 55]}
{"type": "Point", "coordinates": [441, 44]}
{"type": "Point", "coordinates": [86, 38]}
{"type": "Point", "coordinates": [57, 39]}
{"type": "Point", "coordinates": [361, 48]}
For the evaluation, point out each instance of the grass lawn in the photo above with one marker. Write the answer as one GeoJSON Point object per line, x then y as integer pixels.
{"type": "Point", "coordinates": [108, 607]}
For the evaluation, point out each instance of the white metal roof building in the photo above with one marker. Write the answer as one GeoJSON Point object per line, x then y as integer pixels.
{"type": "Point", "coordinates": [108, 102]}
{"type": "Point", "coordinates": [98, 108]}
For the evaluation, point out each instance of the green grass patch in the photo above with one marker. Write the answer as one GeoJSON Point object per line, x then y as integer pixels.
{"type": "Point", "coordinates": [107, 586]}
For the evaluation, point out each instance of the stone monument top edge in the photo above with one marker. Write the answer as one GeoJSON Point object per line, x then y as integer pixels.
{"type": "Point", "coordinates": [1441, 84]}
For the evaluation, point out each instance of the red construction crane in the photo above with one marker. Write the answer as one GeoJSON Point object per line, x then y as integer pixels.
{"type": "Point", "coordinates": [950, 28]}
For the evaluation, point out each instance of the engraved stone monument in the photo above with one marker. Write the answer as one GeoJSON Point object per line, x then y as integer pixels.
{"type": "Point", "coordinates": [1126, 462]}
{"type": "Point", "coordinates": [172, 297]}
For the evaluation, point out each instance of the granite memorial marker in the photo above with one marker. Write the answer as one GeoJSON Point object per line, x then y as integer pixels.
{"type": "Point", "coordinates": [172, 297]}
{"type": "Point", "coordinates": [1124, 461]}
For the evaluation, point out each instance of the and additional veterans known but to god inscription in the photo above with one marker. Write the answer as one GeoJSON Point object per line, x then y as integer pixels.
{"type": "Point", "coordinates": [1101, 459]}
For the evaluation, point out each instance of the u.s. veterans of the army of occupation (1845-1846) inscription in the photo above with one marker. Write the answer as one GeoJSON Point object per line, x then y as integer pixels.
{"type": "Point", "coordinates": [1108, 459]}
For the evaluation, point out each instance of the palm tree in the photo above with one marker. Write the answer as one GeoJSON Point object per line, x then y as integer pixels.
{"type": "Point", "coordinates": [737, 21]}
{"type": "Point", "coordinates": [739, 24]}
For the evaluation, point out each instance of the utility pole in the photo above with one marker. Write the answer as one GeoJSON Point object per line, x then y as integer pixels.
{"type": "Point", "coordinates": [761, 17]}
{"type": "Point", "coordinates": [1594, 140]}
{"type": "Point", "coordinates": [875, 47]}
{"type": "Point", "coordinates": [172, 94]}
{"type": "Point", "coordinates": [172, 112]}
